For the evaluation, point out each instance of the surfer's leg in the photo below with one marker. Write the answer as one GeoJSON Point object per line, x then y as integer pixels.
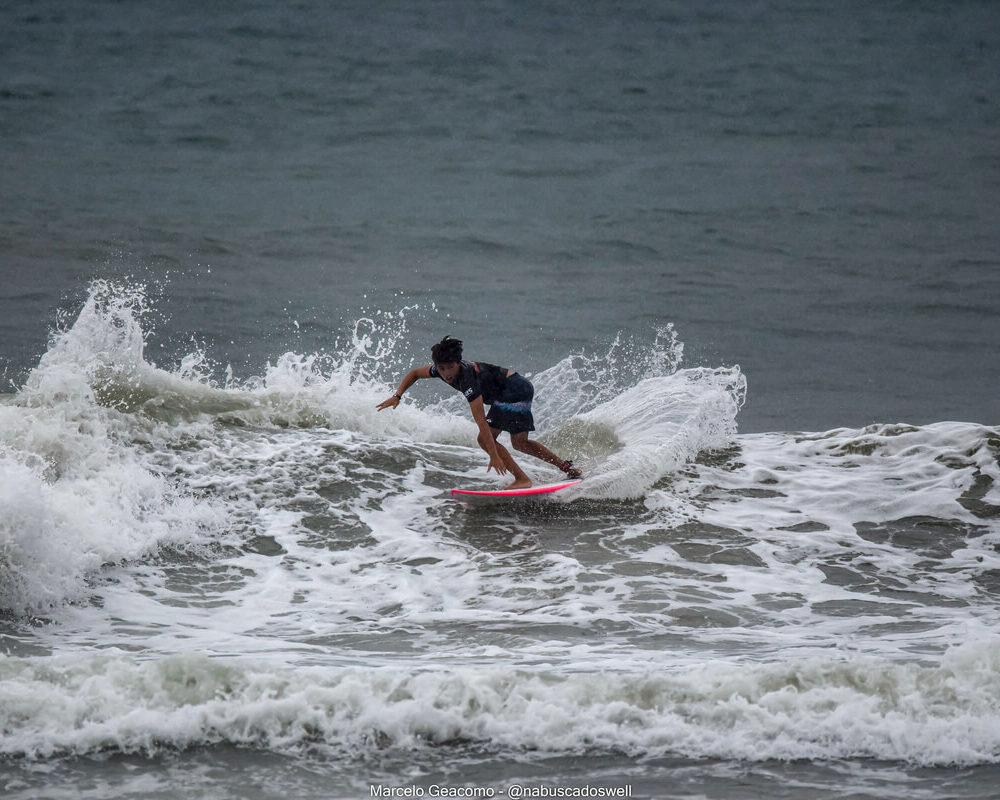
{"type": "Point", "coordinates": [523, 444]}
{"type": "Point", "coordinates": [521, 480]}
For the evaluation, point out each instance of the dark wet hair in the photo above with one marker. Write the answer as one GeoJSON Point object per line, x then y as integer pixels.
{"type": "Point", "coordinates": [447, 351]}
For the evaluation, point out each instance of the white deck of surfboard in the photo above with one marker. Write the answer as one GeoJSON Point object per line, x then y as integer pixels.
{"type": "Point", "coordinates": [532, 492]}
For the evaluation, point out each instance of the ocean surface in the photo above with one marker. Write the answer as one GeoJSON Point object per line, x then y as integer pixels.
{"type": "Point", "coordinates": [749, 255]}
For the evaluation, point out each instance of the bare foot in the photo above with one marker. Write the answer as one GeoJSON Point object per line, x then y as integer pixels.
{"type": "Point", "coordinates": [521, 484]}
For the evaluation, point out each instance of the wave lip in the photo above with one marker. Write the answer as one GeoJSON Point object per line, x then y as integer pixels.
{"type": "Point", "coordinates": [945, 713]}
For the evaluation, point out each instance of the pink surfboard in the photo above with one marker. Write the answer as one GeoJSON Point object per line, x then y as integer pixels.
{"type": "Point", "coordinates": [500, 494]}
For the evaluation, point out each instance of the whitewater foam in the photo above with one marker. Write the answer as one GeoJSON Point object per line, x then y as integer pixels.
{"type": "Point", "coordinates": [663, 423]}
{"type": "Point", "coordinates": [818, 708]}
{"type": "Point", "coordinates": [76, 491]}
{"type": "Point", "coordinates": [73, 498]}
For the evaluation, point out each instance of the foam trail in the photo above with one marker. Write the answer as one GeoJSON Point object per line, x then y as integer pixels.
{"type": "Point", "coordinates": [661, 424]}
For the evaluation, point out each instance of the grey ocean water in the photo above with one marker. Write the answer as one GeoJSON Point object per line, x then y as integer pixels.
{"type": "Point", "coordinates": [750, 255]}
{"type": "Point", "coordinates": [805, 190]}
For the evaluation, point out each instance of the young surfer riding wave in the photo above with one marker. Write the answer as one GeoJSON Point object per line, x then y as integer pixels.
{"type": "Point", "coordinates": [508, 395]}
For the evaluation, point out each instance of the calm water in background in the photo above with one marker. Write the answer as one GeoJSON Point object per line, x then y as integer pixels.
{"type": "Point", "coordinates": [809, 192]}
{"type": "Point", "coordinates": [247, 220]}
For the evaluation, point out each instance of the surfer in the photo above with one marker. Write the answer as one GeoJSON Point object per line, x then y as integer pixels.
{"type": "Point", "coordinates": [508, 395]}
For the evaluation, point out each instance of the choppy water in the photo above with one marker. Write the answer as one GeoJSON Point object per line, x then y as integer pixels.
{"type": "Point", "coordinates": [225, 234]}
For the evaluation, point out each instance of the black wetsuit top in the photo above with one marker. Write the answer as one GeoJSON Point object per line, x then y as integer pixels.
{"type": "Point", "coordinates": [476, 379]}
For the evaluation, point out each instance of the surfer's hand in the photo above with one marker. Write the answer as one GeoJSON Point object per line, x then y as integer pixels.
{"type": "Point", "coordinates": [392, 402]}
{"type": "Point", "coordinates": [497, 463]}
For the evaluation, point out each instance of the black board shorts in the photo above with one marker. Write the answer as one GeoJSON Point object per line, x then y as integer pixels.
{"type": "Point", "coordinates": [512, 412]}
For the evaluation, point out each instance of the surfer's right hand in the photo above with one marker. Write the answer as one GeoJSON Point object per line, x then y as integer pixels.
{"type": "Point", "coordinates": [392, 402]}
{"type": "Point", "coordinates": [497, 463]}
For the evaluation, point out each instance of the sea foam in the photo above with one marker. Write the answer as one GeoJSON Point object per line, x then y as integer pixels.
{"type": "Point", "coordinates": [818, 708]}
{"type": "Point", "coordinates": [76, 488]}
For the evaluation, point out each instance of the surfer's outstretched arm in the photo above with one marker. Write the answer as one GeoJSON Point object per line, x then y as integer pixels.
{"type": "Point", "coordinates": [411, 378]}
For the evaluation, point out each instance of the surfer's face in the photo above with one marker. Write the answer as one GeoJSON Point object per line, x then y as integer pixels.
{"type": "Point", "coordinates": [448, 371]}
